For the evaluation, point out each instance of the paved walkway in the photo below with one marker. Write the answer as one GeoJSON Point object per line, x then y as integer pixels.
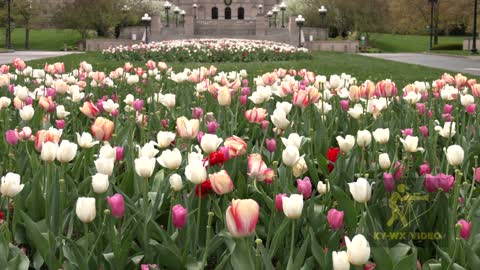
{"type": "Point", "coordinates": [462, 64]}
{"type": "Point", "coordinates": [6, 58]}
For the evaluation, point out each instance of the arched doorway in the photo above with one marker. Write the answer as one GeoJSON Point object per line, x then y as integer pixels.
{"type": "Point", "coordinates": [228, 13]}
{"type": "Point", "coordinates": [241, 13]}
{"type": "Point", "coordinates": [214, 13]}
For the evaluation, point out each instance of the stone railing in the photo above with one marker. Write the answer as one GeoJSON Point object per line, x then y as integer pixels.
{"type": "Point", "coordinates": [347, 46]}
{"type": "Point", "coordinates": [468, 44]}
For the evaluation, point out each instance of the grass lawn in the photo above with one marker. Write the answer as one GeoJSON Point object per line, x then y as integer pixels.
{"type": "Point", "coordinates": [408, 43]}
{"type": "Point", "coordinates": [42, 39]}
{"type": "Point", "coordinates": [325, 63]}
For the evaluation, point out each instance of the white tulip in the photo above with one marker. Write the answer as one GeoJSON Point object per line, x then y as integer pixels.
{"type": "Point", "coordinates": [356, 112]}
{"type": "Point", "coordinates": [109, 105]}
{"type": "Point", "coordinates": [171, 159]}
{"type": "Point", "coordinates": [66, 151]}
{"type": "Point", "coordinates": [361, 190]}
{"type": "Point", "coordinates": [100, 183]}
{"type": "Point", "coordinates": [290, 155]}
{"type": "Point", "coordinates": [148, 150]}
{"type": "Point", "coordinates": [86, 140]}
{"type": "Point", "coordinates": [210, 143]}
{"type": "Point", "coordinates": [21, 92]}
{"type": "Point", "coordinates": [224, 97]}
{"type": "Point", "coordinates": [176, 182]}
{"type": "Point", "coordinates": [346, 144]}
{"type": "Point", "coordinates": [284, 106]}
{"type": "Point", "coordinates": [412, 97]}
{"type": "Point", "coordinates": [49, 151]}
{"type": "Point", "coordinates": [381, 135]}
{"type": "Point", "coordinates": [455, 155]}
{"type": "Point", "coordinates": [165, 138]}
{"type": "Point", "coordinates": [10, 185]}
{"type": "Point", "coordinates": [26, 113]}
{"type": "Point", "coordinates": [410, 144]}
{"type": "Point", "coordinates": [293, 139]}
{"type": "Point", "coordinates": [61, 113]}
{"type": "Point", "coordinates": [168, 100]}
{"type": "Point", "coordinates": [358, 250]}
{"type": "Point", "coordinates": [279, 119]}
{"type": "Point", "coordinates": [340, 260]}
{"type": "Point", "coordinates": [107, 151]}
{"type": "Point", "coordinates": [323, 107]}
{"type": "Point", "coordinates": [292, 206]}
{"type": "Point", "coordinates": [467, 99]}
{"type": "Point", "coordinates": [104, 165]}
{"type": "Point", "coordinates": [447, 131]}
{"type": "Point", "coordinates": [133, 79]}
{"type": "Point", "coordinates": [144, 166]}
{"type": "Point", "coordinates": [364, 138]}
{"type": "Point", "coordinates": [196, 172]}
{"type": "Point", "coordinates": [85, 209]}
{"type": "Point", "coordinates": [323, 188]}
{"type": "Point", "coordinates": [129, 99]}
{"type": "Point", "coordinates": [384, 161]}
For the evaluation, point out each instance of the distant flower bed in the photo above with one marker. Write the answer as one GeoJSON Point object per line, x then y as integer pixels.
{"type": "Point", "coordinates": [208, 50]}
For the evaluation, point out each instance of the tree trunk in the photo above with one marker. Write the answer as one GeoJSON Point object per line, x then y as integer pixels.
{"type": "Point", "coordinates": [27, 35]}
{"type": "Point", "coordinates": [435, 28]}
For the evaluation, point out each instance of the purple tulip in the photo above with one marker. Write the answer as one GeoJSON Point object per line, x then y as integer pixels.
{"type": "Point", "coordinates": [117, 205]}
{"type": "Point", "coordinates": [271, 145]}
{"type": "Point", "coordinates": [420, 108]}
{"type": "Point", "coordinates": [424, 169]}
{"type": "Point", "coordinates": [388, 182]}
{"type": "Point", "coordinates": [345, 104]}
{"type": "Point", "coordinates": [164, 123]}
{"type": "Point", "coordinates": [138, 105]}
{"type": "Point", "coordinates": [245, 83]}
{"type": "Point", "coordinates": [199, 136]}
{"type": "Point", "coordinates": [445, 182]}
{"type": "Point", "coordinates": [197, 113]}
{"type": "Point", "coordinates": [100, 105]}
{"type": "Point", "coordinates": [179, 216]}
{"type": "Point", "coordinates": [304, 187]}
{"type": "Point", "coordinates": [447, 109]}
{"type": "Point", "coordinates": [212, 127]}
{"type": "Point", "coordinates": [335, 219]}
{"type": "Point", "coordinates": [12, 137]}
{"type": "Point", "coordinates": [51, 92]}
{"type": "Point", "coordinates": [11, 88]}
{"type": "Point", "coordinates": [265, 124]}
{"type": "Point", "coordinates": [243, 99]}
{"type": "Point", "coordinates": [29, 101]}
{"type": "Point", "coordinates": [465, 228]}
{"type": "Point", "coordinates": [431, 183]}
{"type": "Point", "coordinates": [279, 201]}
{"type": "Point", "coordinates": [246, 91]}
{"type": "Point", "coordinates": [398, 171]}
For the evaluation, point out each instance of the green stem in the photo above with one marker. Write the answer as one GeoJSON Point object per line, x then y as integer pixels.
{"type": "Point", "coordinates": [8, 216]}
{"type": "Point", "coordinates": [85, 227]}
{"type": "Point", "coordinates": [207, 241]}
{"type": "Point", "coordinates": [197, 230]}
{"type": "Point", "coordinates": [100, 234]}
{"type": "Point", "coordinates": [292, 241]}
{"type": "Point", "coordinates": [145, 212]}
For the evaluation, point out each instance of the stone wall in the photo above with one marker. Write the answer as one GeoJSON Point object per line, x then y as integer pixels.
{"type": "Point", "coordinates": [334, 46]}
{"type": "Point", "coordinates": [101, 44]}
{"type": "Point", "coordinates": [468, 43]}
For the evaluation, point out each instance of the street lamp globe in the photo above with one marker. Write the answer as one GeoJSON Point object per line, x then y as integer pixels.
{"type": "Point", "coordinates": [300, 22]}
{"type": "Point", "coordinates": [323, 13]}
{"type": "Point", "coordinates": [322, 10]}
{"type": "Point", "coordinates": [176, 10]}
{"type": "Point", "coordinates": [167, 5]}
{"type": "Point", "coordinates": [283, 6]}
{"type": "Point", "coordinates": [146, 20]}
{"type": "Point", "coordinates": [260, 9]}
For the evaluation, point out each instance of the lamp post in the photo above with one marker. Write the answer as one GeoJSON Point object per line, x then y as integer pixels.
{"type": "Point", "coordinates": [176, 11]}
{"type": "Point", "coordinates": [432, 5]}
{"type": "Point", "coordinates": [195, 6]}
{"type": "Point", "coordinates": [283, 7]}
{"type": "Point", "coordinates": [323, 13]}
{"type": "Point", "coordinates": [275, 13]}
{"type": "Point", "coordinates": [146, 20]}
{"type": "Point", "coordinates": [182, 15]}
{"type": "Point", "coordinates": [9, 25]}
{"type": "Point", "coordinates": [300, 21]}
{"type": "Point", "coordinates": [167, 7]}
{"type": "Point", "coordinates": [260, 9]}
{"type": "Point", "coordinates": [474, 44]}
{"type": "Point", "coordinates": [269, 16]}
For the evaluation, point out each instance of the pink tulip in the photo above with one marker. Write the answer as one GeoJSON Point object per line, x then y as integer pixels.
{"type": "Point", "coordinates": [212, 127]}
{"type": "Point", "coordinates": [271, 145]}
{"type": "Point", "coordinates": [245, 91]}
{"type": "Point", "coordinates": [11, 137]}
{"type": "Point", "coordinates": [25, 134]}
{"type": "Point", "coordinates": [445, 182]}
{"type": "Point", "coordinates": [304, 187]}
{"type": "Point", "coordinates": [431, 183]}
{"type": "Point", "coordinates": [429, 113]}
{"type": "Point", "coordinates": [148, 266]}
{"type": "Point", "coordinates": [335, 219]}
{"type": "Point", "coordinates": [29, 101]}
{"type": "Point", "coordinates": [117, 205]}
{"type": "Point", "coordinates": [424, 169]}
{"type": "Point", "coordinates": [114, 113]}
{"type": "Point", "coordinates": [245, 83]}
{"type": "Point", "coordinates": [200, 136]}
{"type": "Point", "coordinates": [119, 153]}
{"type": "Point", "coordinates": [265, 124]}
{"type": "Point", "coordinates": [465, 228]}
{"type": "Point", "coordinates": [476, 174]}
{"type": "Point", "coordinates": [138, 105]}
{"type": "Point", "coordinates": [11, 88]}
{"type": "Point", "coordinates": [243, 99]}
{"type": "Point", "coordinates": [60, 124]}
{"type": "Point", "coordinates": [471, 108]}
{"type": "Point", "coordinates": [279, 201]}
{"type": "Point", "coordinates": [424, 131]}
{"type": "Point", "coordinates": [388, 182]}
{"type": "Point", "coordinates": [100, 105]}
{"type": "Point", "coordinates": [164, 123]}
{"type": "Point", "coordinates": [345, 104]}
{"type": "Point", "coordinates": [399, 171]}
{"type": "Point", "coordinates": [197, 113]}
{"type": "Point", "coordinates": [447, 109]}
{"type": "Point", "coordinates": [51, 92]}
{"type": "Point", "coordinates": [447, 117]}
{"type": "Point", "coordinates": [420, 108]}
{"type": "Point", "coordinates": [242, 217]}
{"type": "Point", "coordinates": [179, 216]}
{"type": "Point", "coordinates": [407, 132]}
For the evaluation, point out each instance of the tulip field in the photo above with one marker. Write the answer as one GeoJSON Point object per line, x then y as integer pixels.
{"type": "Point", "coordinates": [149, 167]}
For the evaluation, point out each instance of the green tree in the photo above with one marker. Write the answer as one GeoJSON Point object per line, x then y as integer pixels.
{"type": "Point", "coordinates": [25, 13]}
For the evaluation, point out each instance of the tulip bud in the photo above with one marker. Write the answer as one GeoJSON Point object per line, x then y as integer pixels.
{"type": "Point", "coordinates": [358, 250]}
{"type": "Point", "coordinates": [60, 124]}
{"type": "Point", "coordinates": [66, 151]}
{"type": "Point", "coordinates": [388, 182]}
{"type": "Point", "coordinates": [119, 153]}
{"type": "Point", "coordinates": [304, 187]}
{"type": "Point", "coordinates": [292, 206]}
{"type": "Point", "coordinates": [340, 260]}
{"type": "Point", "coordinates": [49, 151]}
{"type": "Point", "coordinates": [447, 109]}
{"type": "Point", "coordinates": [221, 182]}
{"type": "Point", "coordinates": [85, 209]}
{"type": "Point", "coordinates": [242, 217]}
{"type": "Point", "coordinates": [212, 127]}
{"type": "Point", "coordinates": [171, 159]}
{"type": "Point", "coordinates": [100, 183]}
{"type": "Point", "coordinates": [465, 228]}
{"type": "Point", "coordinates": [10, 185]}
{"type": "Point", "coordinates": [455, 155]}
{"type": "Point", "coordinates": [335, 219]}
{"type": "Point", "coordinates": [364, 138]}
{"type": "Point", "coordinates": [11, 136]}
{"type": "Point", "coordinates": [179, 216]}
{"type": "Point", "coordinates": [279, 201]}
{"type": "Point", "coordinates": [117, 205]}
{"type": "Point", "coordinates": [271, 145]}
{"type": "Point", "coordinates": [176, 182]}
{"type": "Point", "coordinates": [384, 161]}
{"type": "Point", "coordinates": [471, 108]}
{"type": "Point", "coordinates": [144, 166]}
{"type": "Point", "coordinates": [424, 131]}
{"type": "Point", "coordinates": [361, 190]}
{"type": "Point", "coordinates": [424, 169]}
{"type": "Point", "coordinates": [345, 104]}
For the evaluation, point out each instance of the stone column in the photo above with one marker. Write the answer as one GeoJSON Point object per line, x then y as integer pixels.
{"type": "Point", "coordinates": [260, 26]}
{"type": "Point", "coordinates": [156, 24]}
{"type": "Point", "coordinates": [293, 31]}
{"type": "Point", "coordinates": [189, 26]}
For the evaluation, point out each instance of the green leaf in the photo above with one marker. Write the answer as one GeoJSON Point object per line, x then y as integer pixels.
{"type": "Point", "coordinates": [279, 237]}
{"type": "Point", "coordinates": [241, 258]}
{"type": "Point", "coordinates": [300, 256]}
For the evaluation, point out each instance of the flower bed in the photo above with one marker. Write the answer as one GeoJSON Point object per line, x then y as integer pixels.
{"type": "Point", "coordinates": [208, 50]}
{"type": "Point", "coordinates": [200, 168]}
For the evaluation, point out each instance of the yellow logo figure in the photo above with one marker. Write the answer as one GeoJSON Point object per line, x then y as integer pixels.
{"type": "Point", "coordinates": [397, 198]}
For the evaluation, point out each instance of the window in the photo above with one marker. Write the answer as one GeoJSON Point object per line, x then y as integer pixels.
{"type": "Point", "coordinates": [228, 13]}
{"type": "Point", "coordinates": [241, 13]}
{"type": "Point", "coordinates": [214, 13]}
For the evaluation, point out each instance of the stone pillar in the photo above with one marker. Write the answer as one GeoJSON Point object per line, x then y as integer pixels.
{"type": "Point", "coordinates": [293, 31]}
{"type": "Point", "coordinates": [189, 26]}
{"type": "Point", "coordinates": [260, 26]}
{"type": "Point", "coordinates": [156, 24]}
